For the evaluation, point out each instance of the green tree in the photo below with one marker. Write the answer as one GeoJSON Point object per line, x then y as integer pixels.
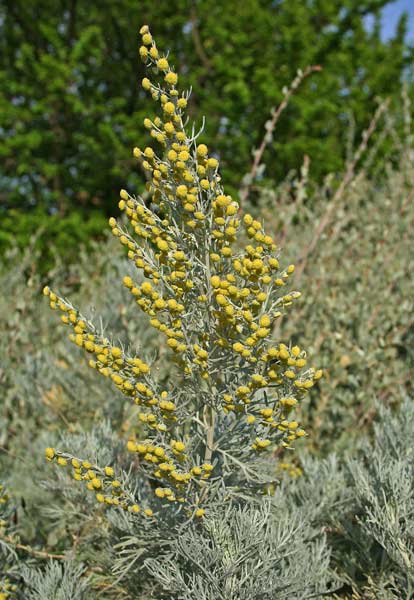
{"type": "Point", "coordinates": [69, 114]}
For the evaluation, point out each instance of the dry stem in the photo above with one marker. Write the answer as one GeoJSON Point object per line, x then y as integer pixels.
{"type": "Point", "coordinates": [348, 177]}
{"type": "Point", "coordinates": [244, 192]}
{"type": "Point", "coordinates": [39, 553]}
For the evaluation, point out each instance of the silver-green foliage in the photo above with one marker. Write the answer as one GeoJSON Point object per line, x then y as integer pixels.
{"type": "Point", "coordinates": [260, 552]}
{"type": "Point", "coordinates": [381, 535]}
{"type": "Point", "coordinates": [365, 505]}
{"type": "Point", "coordinates": [57, 582]}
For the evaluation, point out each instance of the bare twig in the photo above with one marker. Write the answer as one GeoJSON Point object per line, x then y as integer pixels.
{"type": "Point", "coordinates": [300, 192]}
{"type": "Point", "coordinates": [197, 40]}
{"type": "Point", "coordinates": [348, 177]}
{"type": "Point", "coordinates": [244, 192]}
{"type": "Point", "coordinates": [39, 553]}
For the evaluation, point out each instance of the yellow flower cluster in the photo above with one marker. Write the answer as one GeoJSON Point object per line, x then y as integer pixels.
{"type": "Point", "coordinates": [276, 367]}
{"type": "Point", "coordinates": [166, 463]}
{"type": "Point", "coordinates": [166, 466]}
{"type": "Point", "coordinates": [7, 589]}
{"type": "Point", "coordinates": [291, 469]}
{"type": "Point", "coordinates": [210, 281]}
{"type": "Point", "coordinates": [238, 299]}
{"type": "Point", "coordinates": [102, 482]}
{"type": "Point", "coordinates": [184, 180]}
{"type": "Point", "coordinates": [131, 375]}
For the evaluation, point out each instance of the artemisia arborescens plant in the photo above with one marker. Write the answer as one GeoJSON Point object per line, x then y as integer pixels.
{"type": "Point", "coordinates": [210, 282]}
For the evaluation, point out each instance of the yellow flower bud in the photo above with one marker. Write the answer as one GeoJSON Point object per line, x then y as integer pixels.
{"type": "Point", "coordinates": [116, 352]}
{"type": "Point", "coordinates": [202, 150]}
{"type": "Point", "coordinates": [50, 453]}
{"type": "Point", "coordinates": [96, 483]}
{"type": "Point", "coordinates": [169, 108]}
{"type": "Point", "coordinates": [264, 321]}
{"type": "Point", "coordinates": [212, 163]}
{"type": "Point", "coordinates": [162, 64]}
{"type": "Point", "coordinates": [266, 412]}
{"type": "Point", "coordinates": [181, 191]}
{"type": "Point", "coordinates": [131, 446]}
{"type": "Point", "coordinates": [171, 78]}
{"type": "Point", "coordinates": [143, 52]}
{"type": "Point", "coordinates": [179, 446]}
{"type": "Point", "coordinates": [147, 39]}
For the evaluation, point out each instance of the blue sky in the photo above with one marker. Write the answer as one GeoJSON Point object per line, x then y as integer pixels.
{"type": "Point", "coordinates": [391, 15]}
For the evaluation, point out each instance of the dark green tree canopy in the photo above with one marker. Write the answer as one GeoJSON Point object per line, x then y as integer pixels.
{"type": "Point", "coordinates": [71, 105]}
